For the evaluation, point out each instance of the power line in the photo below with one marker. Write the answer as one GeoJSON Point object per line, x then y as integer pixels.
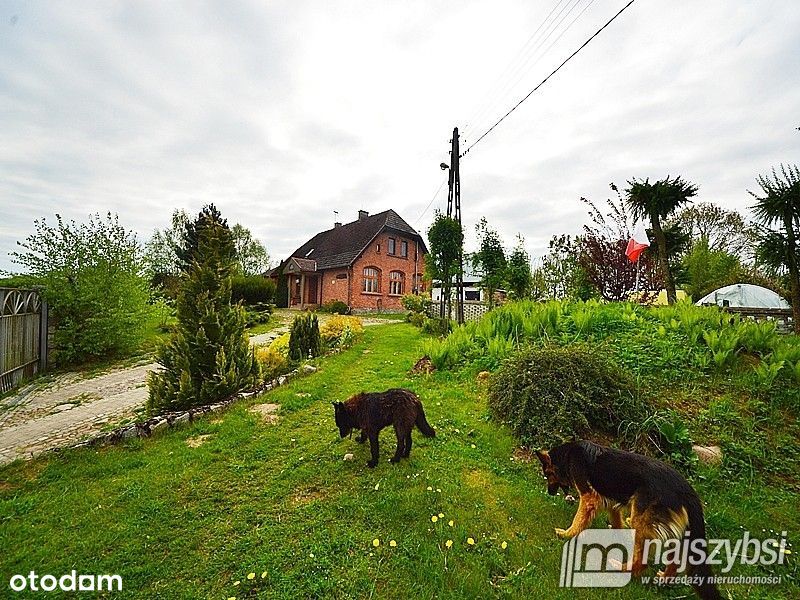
{"type": "Point", "coordinates": [556, 70]}
{"type": "Point", "coordinates": [510, 69]}
{"type": "Point", "coordinates": [522, 68]}
{"type": "Point", "coordinates": [422, 214]}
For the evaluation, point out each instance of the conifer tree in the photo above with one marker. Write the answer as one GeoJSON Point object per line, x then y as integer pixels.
{"type": "Point", "coordinates": [208, 356]}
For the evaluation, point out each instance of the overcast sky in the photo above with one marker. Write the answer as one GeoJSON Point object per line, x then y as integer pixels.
{"type": "Point", "coordinates": [282, 112]}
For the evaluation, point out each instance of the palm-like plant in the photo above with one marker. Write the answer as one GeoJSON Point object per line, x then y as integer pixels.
{"type": "Point", "coordinates": [780, 205]}
{"type": "Point", "coordinates": [656, 202]}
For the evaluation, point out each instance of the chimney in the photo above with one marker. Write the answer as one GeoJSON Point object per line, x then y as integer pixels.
{"type": "Point", "coordinates": [362, 214]}
{"type": "Point", "coordinates": [337, 224]}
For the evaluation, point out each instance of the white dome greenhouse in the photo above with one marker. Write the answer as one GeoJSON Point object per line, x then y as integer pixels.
{"type": "Point", "coordinates": [744, 295]}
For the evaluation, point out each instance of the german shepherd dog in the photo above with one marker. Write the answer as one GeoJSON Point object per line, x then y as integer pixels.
{"type": "Point", "coordinates": [662, 504]}
{"type": "Point", "coordinates": [371, 412]}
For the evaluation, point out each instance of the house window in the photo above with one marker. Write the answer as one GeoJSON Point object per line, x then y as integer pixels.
{"type": "Point", "coordinates": [404, 249]}
{"type": "Point", "coordinates": [372, 280]}
{"type": "Point", "coordinates": [472, 295]}
{"type": "Point", "coordinates": [390, 249]}
{"type": "Point", "coordinates": [396, 279]}
{"type": "Point", "coordinates": [419, 283]}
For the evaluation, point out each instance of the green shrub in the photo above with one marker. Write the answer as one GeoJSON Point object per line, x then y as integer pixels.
{"type": "Point", "coordinates": [336, 307]}
{"type": "Point", "coordinates": [258, 314]}
{"type": "Point", "coordinates": [92, 278]}
{"type": "Point", "coordinates": [436, 326]}
{"type": "Point", "coordinates": [252, 290]}
{"type": "Point", "coordinates": [416, 319]}
{"type": "Point", "coordinates": [415, 303]}
{"type": "Point", "coordinates": [304, 338]}
{"type": "Point", "coordinates": [551, 394]}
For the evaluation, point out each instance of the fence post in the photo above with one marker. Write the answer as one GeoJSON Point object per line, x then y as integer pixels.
{"type": "Point", "coordinates": [43, 335]}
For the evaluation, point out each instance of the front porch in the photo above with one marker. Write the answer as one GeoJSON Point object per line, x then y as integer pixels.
{"type": "Point", "coordinates": [304, 284]}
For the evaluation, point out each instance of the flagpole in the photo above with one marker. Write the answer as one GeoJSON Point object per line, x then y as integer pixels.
{"type": "Point", "coordinates": [637, 273]}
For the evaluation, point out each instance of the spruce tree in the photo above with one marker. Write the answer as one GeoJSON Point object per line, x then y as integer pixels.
{"type": "Point", "coordinates": [208, 356]}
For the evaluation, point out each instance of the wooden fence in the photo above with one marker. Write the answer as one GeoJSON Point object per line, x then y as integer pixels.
{"type": "Point", "coordinates": [23, 336]}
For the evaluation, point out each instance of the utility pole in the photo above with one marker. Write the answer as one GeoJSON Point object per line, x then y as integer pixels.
{"type": "Point", "coordinates": [454, 206]}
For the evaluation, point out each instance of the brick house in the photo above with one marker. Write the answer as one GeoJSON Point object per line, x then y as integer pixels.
{"type": "Point", "coordinates": [368, 264]}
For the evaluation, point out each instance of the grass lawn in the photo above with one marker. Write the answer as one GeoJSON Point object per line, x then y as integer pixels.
{"type": "Point", "coordinates": [181, 522]}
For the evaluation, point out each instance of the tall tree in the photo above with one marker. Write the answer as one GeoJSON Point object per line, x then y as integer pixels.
{"type": "Point", "coordinates": [518, 272]}
{"type": "Point", "coordinates": [208, 357]}
{"type": "Point", "coordinates": [490, 260]}
{"type": "Point", "coordinates": [724, 230]}
{"type": "Point", "coordinates": [779, 204]}
{"type": "Point", "coordinates": [558, 274]}
{"type": "Point", "coordinates": [656, 202]}
{"type": "Point", "coordinates": [251, 255]}
{"type": "Point", "coordinates": [446, 242]}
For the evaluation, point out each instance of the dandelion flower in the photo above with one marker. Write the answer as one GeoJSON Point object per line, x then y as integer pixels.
{"type": "Point", "coordinates": [434, 518]}
{"type": "Point", "coordinates": [376, 542]}
{"type": "Point", "coordinates": [450, 522]}
{"type": "Point", "coordinates": [264, 575]}
{"type": "Point", "coordinates": [251, 575]}
{"type": "Point", "coordinates": [472, 446]}
{"type": "Point", "coordinates": [471, 541]}
{"type": "Point", "coordinates": [504, 545]}
{"type": "Point", "coordinates": [237, 582]}
{"type": "Point", "coordinates": [430, 489]}
{"type": "Point", "coordinates": [311, 555]}
{"type": "Point", "coordinates": [785, 551]}
{"type": "Point", "coordinates": [377, 485]}
{"type": "Point", "coordinates": [449, 543]}
{"type": "Point", "coordinates": [441, 515]}
{"type": "Point", "coordinates": [392, 543]}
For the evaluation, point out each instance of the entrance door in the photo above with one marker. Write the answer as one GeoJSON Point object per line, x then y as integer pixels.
{"type": "Point", "coordinates": [311, 289]}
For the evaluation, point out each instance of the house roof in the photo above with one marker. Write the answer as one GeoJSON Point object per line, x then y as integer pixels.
{"type": "Point", "coordinates": [300, 265]}
{"type": "Point", "coordinates": [342, 245]}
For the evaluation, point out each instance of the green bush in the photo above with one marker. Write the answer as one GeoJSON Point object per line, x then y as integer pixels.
{"type": "Point", "coordinates": [252, 290]}
{"type": "Point", "coordinates": [415, 303]}
{"type": "Point", "coordinates": [416, 319]}
{"type": "Point", "coordinates": [92, 278]}
{"type": "Point", "coordinates": [437, 326]}
{"type": "Point", "coordinates": [551, 394]}
{"type": "Point", "coordinates": [336, 307]}
{"type": "Point", "coordinates": [304, 338]}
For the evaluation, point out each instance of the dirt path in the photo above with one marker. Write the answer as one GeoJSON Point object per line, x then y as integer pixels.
{"type": "Point", "coordinates": [56, 413]}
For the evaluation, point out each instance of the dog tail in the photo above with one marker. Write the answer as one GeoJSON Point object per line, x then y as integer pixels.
{"type": "Point", "coordinates": [704, 587]}
{"type": "Point", "coordinates": [423, 425]}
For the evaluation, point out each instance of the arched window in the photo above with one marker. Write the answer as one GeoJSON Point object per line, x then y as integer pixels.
{"type": "Point", "coordinates": [396, 280]}
{"type": "Point", "coordinates": [372, 279]}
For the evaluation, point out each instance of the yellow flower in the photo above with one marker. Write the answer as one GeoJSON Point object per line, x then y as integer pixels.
{"type": "Point", "coordinates": [392, 543]}
{"type": "Point", "coordinates": [232, 598]}
{"type": "Point", "coordinates": [786, 551]}
{"type": "Point", "coordinates": [430, 489]}
{"type": "Point", "coordinates": [237, 582]}
{"type": "Point", "coordinates": [449, 543]}
{"type": "Point", "coordinates": [434, 518]}
{"type": "Point", "coordinates": [376, 542]}
{"type": "Point", "coordinates": [450, 522]}
{"type": "Point", "coordinates": [504, 545]}
{"type": "Point", "coordinates": [470, 541]}
{"type": "Point", "coordinates": [472, 446]}
{"type": "Point", "coordinates": [441, 515]}
{"type": "Point", "coordinates": [264, 575]}
{"type": "Point", "coordinates": [251, 575]}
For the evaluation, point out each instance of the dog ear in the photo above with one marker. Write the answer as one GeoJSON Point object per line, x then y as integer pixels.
{"type": "Point", "coordinates": [544, 458]}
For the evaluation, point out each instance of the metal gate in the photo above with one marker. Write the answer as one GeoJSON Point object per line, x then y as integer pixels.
{"type": "Point", "coordinates": [23, 336]}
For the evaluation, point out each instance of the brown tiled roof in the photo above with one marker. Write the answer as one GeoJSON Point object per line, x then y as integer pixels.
{"type": "Point", "coordinates": [340, 246]}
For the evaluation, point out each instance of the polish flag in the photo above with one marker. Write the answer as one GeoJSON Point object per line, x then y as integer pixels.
{"type": "Point", "coordinates": [637, 244]}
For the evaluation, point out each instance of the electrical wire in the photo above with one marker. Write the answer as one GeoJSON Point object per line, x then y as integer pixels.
{"type": "Point", "coordinates": [422, 214]}
{"type": "Point", "coordinates": [556, 70]}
